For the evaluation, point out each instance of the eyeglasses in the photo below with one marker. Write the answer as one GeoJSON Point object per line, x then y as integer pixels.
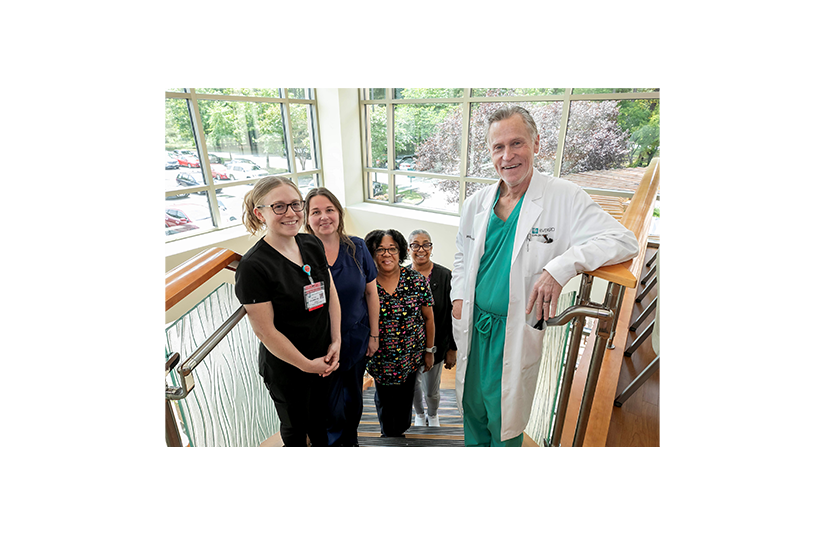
{"type": "Point", "coordinates": [280, 208]}
{"type": "Point", "coordinates": [392, 250]}
{"type": "Point", "coordinates": [425, 246]}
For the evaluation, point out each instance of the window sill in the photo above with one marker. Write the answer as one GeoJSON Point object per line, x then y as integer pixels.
{"type": "Point", "coordinates": [403, 213]}
{"type": "Point", "coordinates": [207, 239]}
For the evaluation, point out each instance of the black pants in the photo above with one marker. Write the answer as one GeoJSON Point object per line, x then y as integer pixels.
{"type": "Point", "coordinates": [301, 402]}
{"type": "Point", "coordinates": [346, 404]}
{"type": "Point", "coordinates": [394, 405]}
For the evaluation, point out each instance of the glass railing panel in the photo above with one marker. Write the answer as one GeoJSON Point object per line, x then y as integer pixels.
{"type": "Point", "coordinates": [229, 405]}
{"type": "Point", "coordinates": [552, 359]}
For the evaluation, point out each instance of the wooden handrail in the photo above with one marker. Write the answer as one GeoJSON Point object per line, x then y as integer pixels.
{"type": "Point", "coordinates": [187, 277]}
{"type": "Point", "coordinates": [637, 219]}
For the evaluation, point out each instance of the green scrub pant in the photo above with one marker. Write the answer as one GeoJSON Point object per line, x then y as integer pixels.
{"type": "Point", "coordinates": [481, 401]}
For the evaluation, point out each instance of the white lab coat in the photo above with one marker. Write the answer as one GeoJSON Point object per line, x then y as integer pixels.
{"type": "Point", "coordinates": [584, 237]}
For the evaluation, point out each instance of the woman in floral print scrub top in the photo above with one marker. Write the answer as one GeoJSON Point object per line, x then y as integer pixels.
{"type": "Point", "coordinates": [406, 331]}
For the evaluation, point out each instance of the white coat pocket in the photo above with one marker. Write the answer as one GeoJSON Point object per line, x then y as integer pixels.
{"type": "Point", "coordinates": [531, 346]}
{"type": "Point", "coordinates": [539, 255]}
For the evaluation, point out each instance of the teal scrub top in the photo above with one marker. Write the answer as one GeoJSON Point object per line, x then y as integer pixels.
{"type": "Point", "coordinates": [493, 281]}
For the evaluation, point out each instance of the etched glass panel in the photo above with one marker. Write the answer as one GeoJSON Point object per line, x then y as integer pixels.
{"type": "Point", "coordinates": [550, 368]}
{"type": "Point", "coordinates": [229, 405]}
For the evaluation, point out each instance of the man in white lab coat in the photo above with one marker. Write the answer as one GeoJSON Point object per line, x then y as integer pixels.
{"type": "Point", "coordinates": [519, 241]}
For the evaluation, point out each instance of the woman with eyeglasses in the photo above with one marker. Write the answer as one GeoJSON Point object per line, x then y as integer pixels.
{"type": "Point", "coordinates": [428, 383]}
{"type": "Point", "coordinates": [284, 284]}
{"type": "Point", "coordinates": [406, 331]}
{"type": "Point", "coordinates": [354, 271]}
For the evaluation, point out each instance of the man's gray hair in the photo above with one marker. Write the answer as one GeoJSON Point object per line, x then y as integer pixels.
{"type": "Point", "coordinates": [506, 112]}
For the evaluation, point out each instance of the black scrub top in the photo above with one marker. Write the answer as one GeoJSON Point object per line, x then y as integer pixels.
{"type": "Point", "coordinates": [264, 275]}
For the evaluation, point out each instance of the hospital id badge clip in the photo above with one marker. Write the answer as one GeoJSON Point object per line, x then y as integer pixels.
{"type": "Point", "coordinates": [314, 296]}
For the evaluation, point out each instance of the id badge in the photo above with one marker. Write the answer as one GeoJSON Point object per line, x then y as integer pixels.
{"type": "Point", "coordinates": [314, 296]}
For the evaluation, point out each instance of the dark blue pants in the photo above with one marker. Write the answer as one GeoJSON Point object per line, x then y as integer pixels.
{"type": "Point", "coordinates": [394, 406]}
{"type": "Point", "coordinates": [346, 404]}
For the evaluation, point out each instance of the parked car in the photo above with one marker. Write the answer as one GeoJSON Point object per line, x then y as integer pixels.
{"type": "Point", "coordinates": [218, 169]}
{"type": "Point", "coordinates": [192, 179]}
{"type": "Point", "coordinates": [234, 161]}
{"type": "Point", "coordinates": [171, 162]}
{"type": "Point", "coordinates": [243, 171]}
{"type": "Point", "coordinates": [175, 217]}
{"type": "Point", "coordinates": [406, 163]}
{"type": "Point", "coordinates": [196, 212]}
{"type": "Point", "coordinates": [219, 172]}
{"type": "Point", "coordinates": [187, 158]}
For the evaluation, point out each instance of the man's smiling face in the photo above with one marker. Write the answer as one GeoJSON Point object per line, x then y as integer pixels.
{"type": "Point", "coordinates": [512, 150]}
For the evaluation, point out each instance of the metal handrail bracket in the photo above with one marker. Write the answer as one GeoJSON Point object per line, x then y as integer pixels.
{"type": "Point", "coordinates": [185, 370]}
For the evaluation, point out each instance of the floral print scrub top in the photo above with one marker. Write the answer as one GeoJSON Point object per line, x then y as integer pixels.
{"type": "Point", "coordinates": [402, 336]}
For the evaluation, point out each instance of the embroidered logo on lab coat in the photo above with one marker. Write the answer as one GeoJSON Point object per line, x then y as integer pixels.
{"type": "Point", "coordinates": [541, 235]}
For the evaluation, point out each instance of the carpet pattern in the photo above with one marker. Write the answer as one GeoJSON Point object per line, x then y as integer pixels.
{"type": "Point", "coordinates": [450, 434]}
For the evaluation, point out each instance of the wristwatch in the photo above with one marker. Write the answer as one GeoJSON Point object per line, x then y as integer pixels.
{"type": "Point", "coordinates": [429, 350]}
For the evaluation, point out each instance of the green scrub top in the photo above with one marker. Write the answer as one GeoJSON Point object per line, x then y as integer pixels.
{"type": "Point", "coordinates": [493, 281]}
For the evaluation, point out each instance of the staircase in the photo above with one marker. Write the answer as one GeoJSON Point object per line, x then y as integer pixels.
{"type": "Point", "coordinates": [451, 432]}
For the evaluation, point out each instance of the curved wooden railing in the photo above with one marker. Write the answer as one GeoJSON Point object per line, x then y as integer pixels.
{"type": "Point", "coordinates": [599, 385]}
{"type": "Point", "coordinates": [637, 219]}
{"type": "Point", "coordinates": [187, 277]}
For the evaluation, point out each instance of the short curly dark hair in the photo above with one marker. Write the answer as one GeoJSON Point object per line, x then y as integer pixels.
{"type": "Point", "coordinates": [373, 241]}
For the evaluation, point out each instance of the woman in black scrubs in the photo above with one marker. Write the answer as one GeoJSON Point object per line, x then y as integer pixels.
{"type": "Point", "coordinates": [284, 284]}
{"type": "Point", "coordinates": [428, 384]}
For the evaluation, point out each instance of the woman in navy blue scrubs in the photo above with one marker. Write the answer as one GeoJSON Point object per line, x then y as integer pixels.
{"type": "Point", "coordinates": [354, 272]}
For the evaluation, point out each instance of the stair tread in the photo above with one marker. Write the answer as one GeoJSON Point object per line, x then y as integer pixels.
{"type": "Point", "coordinates": [449, 434]}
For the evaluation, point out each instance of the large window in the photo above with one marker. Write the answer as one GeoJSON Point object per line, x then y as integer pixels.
{"type": "Point", "coordinates": [219, 142]}
{"type": "Point", "coordinates": [425, 148]}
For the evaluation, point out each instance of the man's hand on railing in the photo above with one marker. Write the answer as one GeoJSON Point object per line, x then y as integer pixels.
{"type": "Point", "coordinates": [545, 293]}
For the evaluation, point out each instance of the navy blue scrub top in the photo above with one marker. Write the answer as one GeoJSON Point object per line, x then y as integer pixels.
{"type": "Point", "coordinates": [351, 282]}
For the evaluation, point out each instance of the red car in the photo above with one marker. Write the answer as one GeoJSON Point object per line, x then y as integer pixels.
{"type": "Point", "coordinates": [175, 217]}
{"type": "Point", "coordinates": [187, 158]}
{"type": "Point", "coordinates": [219, 171]}
{"type": "Point", "coordinates": [189, 161]}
